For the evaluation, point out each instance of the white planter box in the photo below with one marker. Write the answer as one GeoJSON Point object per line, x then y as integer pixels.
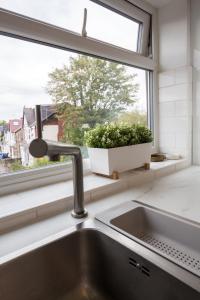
{"type": "Point", "coordinates": [121, 159]}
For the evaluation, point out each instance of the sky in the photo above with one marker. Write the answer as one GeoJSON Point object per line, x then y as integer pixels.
{"type": "Point", "coordinates": [24, 66]}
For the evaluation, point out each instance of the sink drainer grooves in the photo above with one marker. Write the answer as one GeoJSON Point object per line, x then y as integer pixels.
{"type": "Point", "coordinates": [179, 256]}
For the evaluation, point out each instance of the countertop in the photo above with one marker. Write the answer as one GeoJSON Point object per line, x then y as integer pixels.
{"type": "Point", "coordinates": [177, 193]}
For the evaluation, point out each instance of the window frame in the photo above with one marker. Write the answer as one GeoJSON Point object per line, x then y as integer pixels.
{"type": "Point", "coordinates": [25, 28]}
{"type": "Point", "coordinates": [135, 14]}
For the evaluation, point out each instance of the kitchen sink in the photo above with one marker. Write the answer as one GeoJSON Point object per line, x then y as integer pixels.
{"type": "Point", "coordinates": [171, 236]}
{"type": "Point", "coordinates": [92, 261]}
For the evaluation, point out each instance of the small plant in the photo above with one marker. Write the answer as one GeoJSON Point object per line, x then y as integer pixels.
{"type": "Point", "coordinates": [16, 166]}
{"type": "Point", "coordinates": [113, 136]}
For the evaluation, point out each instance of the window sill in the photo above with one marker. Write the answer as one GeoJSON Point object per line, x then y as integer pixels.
{"type": "Point", "coordinates": [27, 207]}
{"type": "Point", "coordinates": [20, 181]}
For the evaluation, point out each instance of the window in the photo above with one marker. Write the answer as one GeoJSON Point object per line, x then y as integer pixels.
{"type": "Point", "coordinates": [75, 92]}
{"type": "Point", "coordinates": [67, 14]}
{"type": "Point", "coordinates": [108, 26]}
{"type": "Point", "coordinates": [121, 25]}
{"type": "Point", "coordinates": [40, 48]}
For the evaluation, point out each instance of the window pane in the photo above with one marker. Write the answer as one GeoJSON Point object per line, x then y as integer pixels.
{"type": "Point", "coordinates": [64, 13]}
{"type": "Point", "coordinates": [102, 24]}
{"type": "Point", "coordinates": [76, 92]}
{"type": "Point", "coordinates": [108, 26]}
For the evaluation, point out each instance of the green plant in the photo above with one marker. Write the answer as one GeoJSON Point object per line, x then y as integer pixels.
{"type": "Point", "coordinates": [16, 166]}
{"type": "Point", "coordinates": [113, 135]}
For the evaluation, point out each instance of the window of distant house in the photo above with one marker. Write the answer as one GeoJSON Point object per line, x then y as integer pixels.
{"type": "Point", "coordinates": [15, 123]}
{"type": "Point", "coordinates": [75, 91]}
{"type": "Point", "coordinates": [102, 23]}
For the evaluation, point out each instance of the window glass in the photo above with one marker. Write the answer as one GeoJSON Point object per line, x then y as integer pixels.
{"type": "Point", "coordinates": [76, 92]}
{"type": "Point", "coordinates": [64, 13]}
{"type": "Point", "coordinates": [102, 23]}
{"type": "Point", "coordinates": [108, 26]}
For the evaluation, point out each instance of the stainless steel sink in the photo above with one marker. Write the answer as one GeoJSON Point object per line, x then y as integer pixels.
{"type": "Point", "coordinates": [92, 261]}
{"type": "Point", "coordinates": [171, 236]}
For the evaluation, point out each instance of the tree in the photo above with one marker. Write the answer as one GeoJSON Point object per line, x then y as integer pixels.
{"type": "Point", "coordinates": [90, 91]}
{"type": "Point", "coordinates": [2, 123]}
{"type": "Point", "coordinates": [133, 117]}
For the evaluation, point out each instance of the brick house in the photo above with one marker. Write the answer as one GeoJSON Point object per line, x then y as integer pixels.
{"type": "Point", "coordinates": [52, 129]}
{"type": "Point", "coordinates": [10, 139]}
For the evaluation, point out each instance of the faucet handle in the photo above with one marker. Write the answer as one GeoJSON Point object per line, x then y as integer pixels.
{"type": "Point", "coordinates": [38, 121]}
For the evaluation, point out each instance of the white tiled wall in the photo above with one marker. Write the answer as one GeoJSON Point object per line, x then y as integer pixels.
{"type": "Point", "coordinates": [195, 54]}
{"type": "Point", "coordinates": [196, 116]}
{"type": "Point", "coordinates": [175, 111]}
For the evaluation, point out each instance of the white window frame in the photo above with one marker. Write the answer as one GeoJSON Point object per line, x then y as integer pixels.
{"type": "Point", "coordinates": [137, 15]}
{"type": "Point", "coordinates": [25, 28]}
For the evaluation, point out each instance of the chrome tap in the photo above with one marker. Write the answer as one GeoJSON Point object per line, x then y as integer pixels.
{"type": "Point", "coordinates": [40, 147]}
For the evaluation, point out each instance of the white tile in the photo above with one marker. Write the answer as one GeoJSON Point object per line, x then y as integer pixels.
{"type": "Point", "coordinates": [166, 149]}
{"type": "Point", "coordinates": [169, 125]}
{"type": "Point", "coordinates": [175, 93]}
{"type": "Point", "coordinates": [182, 140]}
{"type": "Point", "coordinates": [183, 108]}
{"type": "Point", "coordinates": [166, 125]}
{"type": "Point", "coordinates": [183, 75]}
{"type": "Point", "coordinates": [183, 152]}
{"type": "Point", "coordinates": [196, 103]}
{"type": "Point", "coordinates": [196, 59]}
{"type": "Point", "coordinates": [167, 109]}
{"type": "Point", "coordinates": [183, 125]}
{"type": "Point", "coordinates": [167, 78]}
{"type": "Point", "coordinates": [167, 140]}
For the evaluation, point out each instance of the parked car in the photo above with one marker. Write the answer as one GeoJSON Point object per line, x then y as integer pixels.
{"type": "Point", "coordinates": [3, 155]}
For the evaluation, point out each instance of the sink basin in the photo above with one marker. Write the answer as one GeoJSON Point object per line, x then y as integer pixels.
{"type": "Point", "coordinates": [173, 237]}
{"type": "Point", "coordinates": [87, 264]}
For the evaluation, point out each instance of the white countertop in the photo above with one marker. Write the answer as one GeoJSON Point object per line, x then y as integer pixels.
{"type": "Point", "coordinates": [178, 193]}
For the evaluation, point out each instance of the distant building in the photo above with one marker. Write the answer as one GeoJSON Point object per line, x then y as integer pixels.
{"type": "Point", "coordinates": [18, 133]}
{"type": "Point", "coordinates": [52, 129]}
{"type": "Point", "coordinates": [9, 143]}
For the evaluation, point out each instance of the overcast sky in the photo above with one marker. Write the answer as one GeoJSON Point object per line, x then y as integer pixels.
{"type": "Point", "coordinates": [24, 66]}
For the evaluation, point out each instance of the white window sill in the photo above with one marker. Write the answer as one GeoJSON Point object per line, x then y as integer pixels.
{"type": "Point", "coordinates": [20, 181]}
{"type": "Point", "coordinates": [30, 206]}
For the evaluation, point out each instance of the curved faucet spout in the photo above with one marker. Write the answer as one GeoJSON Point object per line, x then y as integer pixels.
{"type": "Point", "coordinates": [39, 148]}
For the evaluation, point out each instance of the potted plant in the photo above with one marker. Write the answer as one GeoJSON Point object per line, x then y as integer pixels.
{"type": "Point", "coordinates": [118, 148]}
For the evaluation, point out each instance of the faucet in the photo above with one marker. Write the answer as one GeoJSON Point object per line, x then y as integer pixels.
{"type": "Point", "coordinates": [40, 147]}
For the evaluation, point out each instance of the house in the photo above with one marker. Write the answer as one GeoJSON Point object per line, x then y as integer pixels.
{"type": "Point", "coordinates": [9, 142]}
{"type": "Point", "coordinates": [52, 129]}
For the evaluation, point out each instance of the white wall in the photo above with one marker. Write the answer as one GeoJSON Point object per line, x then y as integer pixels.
{"type": "Point", "coordinates": [175, 79]}
{"type": "Point", "coordinates": [173, 35]}
{"type": "Point", "coordinates": [195, 55]}
{"type": "Point", "coordinates": [50, 132]}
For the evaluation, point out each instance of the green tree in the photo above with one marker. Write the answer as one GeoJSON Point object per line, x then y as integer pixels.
{"type": "Point", "coordinates": [90, 91]}
{"type": "Point", "coordinates": [2, 122]}
{"type": "Point", "coordinates": [133, 117]}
